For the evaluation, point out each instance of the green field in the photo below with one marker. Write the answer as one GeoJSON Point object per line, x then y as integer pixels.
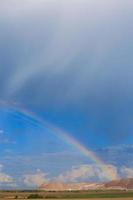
{"type": "Point", "coordinates": [66, 195]}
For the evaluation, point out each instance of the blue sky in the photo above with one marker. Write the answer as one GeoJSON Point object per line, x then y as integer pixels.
{"type": "Point", "coordinates": [70, 63]}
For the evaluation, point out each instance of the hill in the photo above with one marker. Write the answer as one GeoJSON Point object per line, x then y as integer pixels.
{"type": "Point", "coordinates": [69, 186]}
{"type": "Point", "coordinates": [122, 184]}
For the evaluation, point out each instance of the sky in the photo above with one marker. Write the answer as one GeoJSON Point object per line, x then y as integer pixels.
{"type": "Point", "coordinates": [66, 82]}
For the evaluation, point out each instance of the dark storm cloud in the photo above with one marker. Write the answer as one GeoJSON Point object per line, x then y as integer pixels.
{"type": "Point", "coordinates": [70, 53]}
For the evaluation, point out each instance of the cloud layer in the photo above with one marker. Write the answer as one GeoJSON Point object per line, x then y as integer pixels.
{"type": "Point", "coordinates": [61, 167]}
{"type": "Point", "coordinates": [75, 54]}
{"type": "Point", "coordinates": [82, 173]}
{"type": "Point", "coordinates": [35, 180]}
{"type": "Point", "coordinates": [4, 177]}
{"type": "Point", "coordinates": [88, 173]}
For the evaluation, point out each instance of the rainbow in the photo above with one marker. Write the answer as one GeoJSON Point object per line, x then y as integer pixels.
{"type": "Point", "coordinates": [67, 137]}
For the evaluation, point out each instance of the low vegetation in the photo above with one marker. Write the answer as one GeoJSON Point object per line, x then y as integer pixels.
{"type": "Point", "coordinates": [35, 196]}
{"type": "Point", "coordinates": [65, 194]}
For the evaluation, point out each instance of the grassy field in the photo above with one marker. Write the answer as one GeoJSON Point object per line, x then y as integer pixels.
{"type": "Point", "coordinates": [97, 195]}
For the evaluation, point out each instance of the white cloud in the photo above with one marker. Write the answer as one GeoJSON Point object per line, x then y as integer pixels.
{"type": "Point", "coordinates": [88, 172]}
{"type": "Point", "coordinates": [35, 179]}
{"type": "Point", "coordinates": [126, 172]}
{"type": "Point", "coordinates": [5, 178]}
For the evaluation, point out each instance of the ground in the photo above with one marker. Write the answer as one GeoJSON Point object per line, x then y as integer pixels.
{"type": "Point", "coordinates": [80, 195]}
